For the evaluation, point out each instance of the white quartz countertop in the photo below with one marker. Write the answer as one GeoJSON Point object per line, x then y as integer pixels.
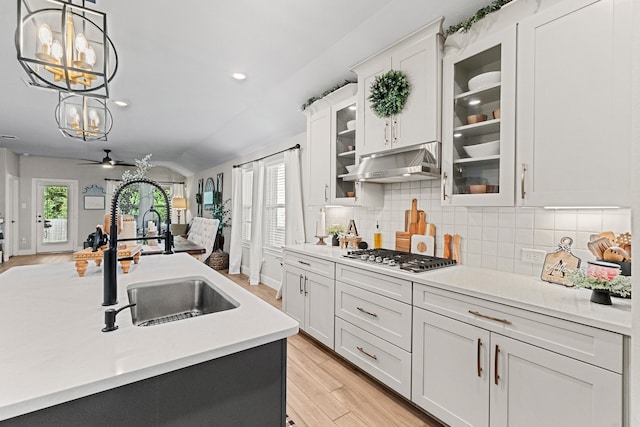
{"type": "Point", "coordinates": [515, 290]}
{"type": "Point", "coordinates": [53, 349]}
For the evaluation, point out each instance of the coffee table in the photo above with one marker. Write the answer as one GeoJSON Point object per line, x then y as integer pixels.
{"type": "Point", "coordinates": [125, 255]}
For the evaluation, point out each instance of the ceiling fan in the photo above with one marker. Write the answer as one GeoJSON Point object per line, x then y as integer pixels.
{"type": "Point", "coordinates": [106, 162]}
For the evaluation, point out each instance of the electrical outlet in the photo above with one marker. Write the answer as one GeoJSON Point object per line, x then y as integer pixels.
{"type": "Point", "coordinates": [533, 256]}
{"type": "Point", "coordinates": [23, 240]}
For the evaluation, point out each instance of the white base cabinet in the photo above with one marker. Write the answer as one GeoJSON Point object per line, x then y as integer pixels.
{"type": "Point", "coordinates": [308, 295]}
{"type": "Point", "coordinates": [470, 373]}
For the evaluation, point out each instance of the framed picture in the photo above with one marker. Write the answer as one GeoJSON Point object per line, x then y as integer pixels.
{"type": "Point", "coordinates": [93, 203]}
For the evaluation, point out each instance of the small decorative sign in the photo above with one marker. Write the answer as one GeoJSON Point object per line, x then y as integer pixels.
{"type": "Point", "coordinates": [558, 264]}
{"type": "Point", "coordinates": [94, 197]}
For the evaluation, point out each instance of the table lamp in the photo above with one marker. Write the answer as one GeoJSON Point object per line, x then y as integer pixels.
{"type": "Point", "coordinates": [179, 203]}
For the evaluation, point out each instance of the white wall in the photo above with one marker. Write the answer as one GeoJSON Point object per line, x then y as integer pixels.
{"type": "Point", "coordinates": [53, 168]}
{"type": "Point", "coordinates": [271, 269]}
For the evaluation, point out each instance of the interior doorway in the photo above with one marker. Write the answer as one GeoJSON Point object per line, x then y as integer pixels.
{"type": "Point", "coordinates": [10, 226]}
{"type": "Point", "coordinates": [56, 215]}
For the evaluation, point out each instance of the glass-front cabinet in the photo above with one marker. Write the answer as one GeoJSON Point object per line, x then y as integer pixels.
{"type": "Point", "coordinates": [343, 141]}
{"type": "Point", "coordinates": [479, 122]}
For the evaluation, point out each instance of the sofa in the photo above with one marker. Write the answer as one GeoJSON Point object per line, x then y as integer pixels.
{"type": "Point", "coordinates": [203, 232]}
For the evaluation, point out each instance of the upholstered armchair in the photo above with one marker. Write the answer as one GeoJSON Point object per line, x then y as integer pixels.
{"type": "Point", "coordinates": [203, 232]}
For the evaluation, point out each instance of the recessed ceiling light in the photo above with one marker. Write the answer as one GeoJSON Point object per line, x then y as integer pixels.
{"type": "Point", "coordinates": [352, 107]}
{"type": "Point", "coordinates": [121, 103]}
{"type": "Point", "coordinates": [239, 76]}
{"type": "Point", "coordinates": [26, 154]}
{"type": "Point", "coordinates": [474, 102]}
{"type": "Point", "coordinates": [457, 135]}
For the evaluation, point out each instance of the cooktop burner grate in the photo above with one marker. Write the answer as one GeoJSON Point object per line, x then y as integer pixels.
{"type": "Point", "coordinates": [414, 263]}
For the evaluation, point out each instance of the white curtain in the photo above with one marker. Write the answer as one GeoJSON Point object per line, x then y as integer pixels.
{"type": "Point", "coordinates": [293, 208]}
{"type": "Point", "coordinates": [235, 244]}
{"type": "Point", "coordinates": [111, 188]}
{"type": "Point", "coordinates": [257, 220]}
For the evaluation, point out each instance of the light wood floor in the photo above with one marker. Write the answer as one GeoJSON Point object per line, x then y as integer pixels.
{"type": "Point", "coordinates": [322, 389]}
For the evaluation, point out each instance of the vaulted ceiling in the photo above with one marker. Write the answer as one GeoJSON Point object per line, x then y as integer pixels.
{"type": "Point", "coordinates": [175, 65]}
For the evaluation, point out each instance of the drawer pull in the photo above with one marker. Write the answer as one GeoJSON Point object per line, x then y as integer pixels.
{"type": "Point", "coordinates": [367, 312]}
{"type": "Point", "coordinates": [478, 357]}
{"type": "Point", "coordinates": [497, 319]}
{"type": "Point", "coordinates": [373, 356]}
{"type": "Point", "coordinates": [496, 377]}
{"type": "Point", "coordinates": [304, 263]}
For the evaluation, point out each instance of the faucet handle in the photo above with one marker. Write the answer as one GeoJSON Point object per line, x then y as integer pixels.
{"type": "Point", "coordinates": [110, 318]}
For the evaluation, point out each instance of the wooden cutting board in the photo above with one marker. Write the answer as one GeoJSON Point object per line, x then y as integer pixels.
{"type": "Point", "coordinates": [403, 241]}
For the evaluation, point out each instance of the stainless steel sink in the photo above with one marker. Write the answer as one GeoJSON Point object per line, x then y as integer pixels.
{"type": "Point", "coordinates": [175, 299]}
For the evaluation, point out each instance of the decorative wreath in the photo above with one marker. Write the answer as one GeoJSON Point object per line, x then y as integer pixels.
{"type": "Point", "coordinates": [389, 93]}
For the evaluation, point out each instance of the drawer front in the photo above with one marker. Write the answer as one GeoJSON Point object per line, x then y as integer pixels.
{"type": "Point", "coordinates": [591, 345]}
{"type": "Point", "coordinates": [382, 284]}
{"type": "Point", "coordinates": [387, 363]}
{"type": "Point", "coordinates": [315, 265]}
{"type": "Point", "coordinates": [384, 317]}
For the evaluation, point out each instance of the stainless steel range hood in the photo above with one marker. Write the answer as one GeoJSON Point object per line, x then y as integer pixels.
{"type": "Point", "coordinates": [412, 164]}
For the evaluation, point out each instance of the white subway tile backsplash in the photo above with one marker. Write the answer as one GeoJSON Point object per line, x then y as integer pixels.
{"type": "Point", "coordinates": [591, 222]}
{"type": "Point", "coordinates": [525, 219]}
{"type": "Point", "coordinates": [524, 236]}
{"type": "Point", "coordinates": [544, 219]}
{"type": "Point", "coordinates": [491, 237]}
{"type": "Point", "coordinates": [543, 237]}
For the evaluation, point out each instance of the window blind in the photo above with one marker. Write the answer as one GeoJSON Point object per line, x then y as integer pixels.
{"type": "Point", "coordinates": [274, 206]}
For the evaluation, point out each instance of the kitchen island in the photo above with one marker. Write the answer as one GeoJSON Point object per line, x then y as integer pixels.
{"type": "Point", "coordinates": [57, 365]}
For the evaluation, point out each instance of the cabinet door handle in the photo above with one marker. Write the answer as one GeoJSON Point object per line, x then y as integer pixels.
{"type": "Point", "coordinates": [306, 290]}
{"type": "Point", "coordinates": [444, 186]}
{"type": "Point", "coordinates": [497, 319]}
{"type": "Point", "coordinates": [367, 312]}
{"type": "Point", "coordinates": [326, 196]}
{"type": "Point", "coordinates": [361, 350]}
{"type": "Point", "coordinates": [300, 284]}
{"type": "Point", "coordinates": [496, 377]}
{"type": "Point", "coordinates": [304, 263]}
{"type": "Point", "coordinates": [522, 192]}
{"type": "Point", "coordinates": [394, 132]}
{"type": "Point", "coordinates": [386, 126]}
{"type": "Point", "coordinates": [478, 357]}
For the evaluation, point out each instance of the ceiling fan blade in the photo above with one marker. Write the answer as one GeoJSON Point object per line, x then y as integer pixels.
{"type": "Point", "coordinates": [121, 163]}
{"type": "Point", "coordinates": [92, 163]}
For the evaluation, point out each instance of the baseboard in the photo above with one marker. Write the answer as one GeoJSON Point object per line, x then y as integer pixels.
{"type": "Point", "coordinates": [26, 252]}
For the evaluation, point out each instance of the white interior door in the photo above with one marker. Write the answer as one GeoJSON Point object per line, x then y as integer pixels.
{"type": "Point", "coordinates": [56, 215]}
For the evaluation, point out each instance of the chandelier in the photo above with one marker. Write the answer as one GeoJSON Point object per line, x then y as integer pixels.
{"type": "Point", "coordinates": [83, 117]}
{"type": "Point", "coordinates": [64, 46]}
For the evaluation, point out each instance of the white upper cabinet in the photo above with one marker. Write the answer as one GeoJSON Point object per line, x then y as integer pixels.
{"type": "Point", "coordinates": [478, 157]}
{"type": "Point", "coordinates": [331, 142]}
{"type": "Point", "coordinates": [574, 104]}
{"type": "Point", "coordinates": [419, 57]}
{"type": "Point", "coordinates": [319, 152]}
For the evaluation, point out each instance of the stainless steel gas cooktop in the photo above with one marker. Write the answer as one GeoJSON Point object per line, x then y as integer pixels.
{"type": "Point", "coordinates": [413, 263]}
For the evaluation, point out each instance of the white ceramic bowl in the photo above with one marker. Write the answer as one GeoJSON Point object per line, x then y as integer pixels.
{"type": "Point", "coordinates": [484, 80]}
{"type": "Point", "coordinates": [351, 125]}
{"type": "Point", "coordinates": [481, 150]}
{"type": "Point", "coordinates": [350, 168]}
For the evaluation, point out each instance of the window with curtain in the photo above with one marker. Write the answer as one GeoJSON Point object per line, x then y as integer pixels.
{"type": "Point", "coordinates": [274, 206]}
{"type": "Point", "coordinates": [247, 194]}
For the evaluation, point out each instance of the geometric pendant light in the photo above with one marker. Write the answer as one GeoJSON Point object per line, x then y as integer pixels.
{"type": "Point", "coordinates": [64, 46]}
{"type": "Point", "coordinates": [83, 117]}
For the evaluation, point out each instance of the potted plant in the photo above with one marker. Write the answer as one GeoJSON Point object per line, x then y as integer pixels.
{"type": "Point", "coordinates": [221, 212]}
{"type": "Point", "coordinates": [603, 280]}
{"type": "Point", "coordinates": [335, 230]}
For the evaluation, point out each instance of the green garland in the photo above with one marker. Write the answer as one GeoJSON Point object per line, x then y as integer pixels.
{"type": "Point", "coordinates": [389, 93]}
{"type": "Point", "coordinates": [464, 26]}
{"type": "Point", "coordinates": [325, 93]}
